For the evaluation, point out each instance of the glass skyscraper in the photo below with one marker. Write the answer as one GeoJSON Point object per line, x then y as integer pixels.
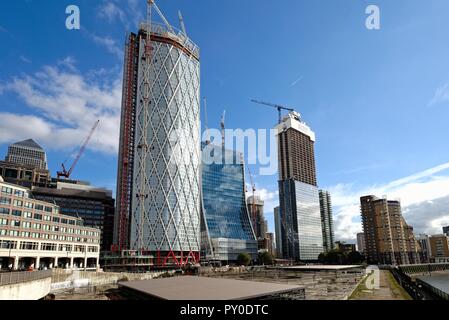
{"type": "Point", "coordinates": [226, 229]}
{"type": "Point", "coordinates": [300, 218]}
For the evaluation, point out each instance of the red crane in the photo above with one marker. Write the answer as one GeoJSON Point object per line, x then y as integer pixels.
{"type": "Point", "coordinates": [66, 174]}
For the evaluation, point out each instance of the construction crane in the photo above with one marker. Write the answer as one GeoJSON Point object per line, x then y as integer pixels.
{"type": "Point", "coordinates": [205, 121]}
{"type": "Point", "coordinates": [222, 123]}
{"type": "Point", "coordinates": [253, 204]}
{"type": "Point", "coordinates": [277, 106]}
{"type": "Point", "coordinates": [66, 174]}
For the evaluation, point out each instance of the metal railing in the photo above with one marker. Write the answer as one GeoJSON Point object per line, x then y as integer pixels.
{"type": "Point", "coordinates": [7, 278]}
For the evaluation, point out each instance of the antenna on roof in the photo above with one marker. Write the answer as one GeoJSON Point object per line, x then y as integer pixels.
{"type": "Point", "coordinates": [181, 22]}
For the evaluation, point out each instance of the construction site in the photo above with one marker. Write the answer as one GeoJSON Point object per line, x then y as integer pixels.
{"type": "Point", "coordinates": [329, 283]}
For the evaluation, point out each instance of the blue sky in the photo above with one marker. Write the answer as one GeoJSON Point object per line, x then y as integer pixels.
{"type": "Point", "coordinates": [378, 100]}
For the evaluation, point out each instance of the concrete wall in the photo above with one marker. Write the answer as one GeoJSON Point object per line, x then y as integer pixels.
{"type": "Point", "coordinates": [31, 290]}
{"type": "Point", "coordinates": [82, 279]}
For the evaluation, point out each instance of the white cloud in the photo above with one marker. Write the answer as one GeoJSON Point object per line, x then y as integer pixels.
{"type": "Point", "coordinates": [110, 44]}
{"type": "Point", "coordinates": [25, 59]}
{"type": "Point", "coordinates": [130, 12]}
{"type": "Point", "coordinates": [67, 105]}
{"type": "Point", "coordinates": [416, 192]}
{"type": "Point", "coordinates": [441, 95]}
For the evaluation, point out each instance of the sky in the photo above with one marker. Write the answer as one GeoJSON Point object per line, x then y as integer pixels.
{"type": "Point", "coordinates": [378, 100]}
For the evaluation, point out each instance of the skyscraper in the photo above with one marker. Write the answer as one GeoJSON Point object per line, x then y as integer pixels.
{"type": "Point", "coordinates": [277, 226]}
{"type": "Point", "coordinates": [388, 238]}
{"type": "Point", "coordinates": [301, 231]}
{"type": "Point", "coordinates": [446, 230]}
{"type": "Point", "coordinates": [327, 223]}
{"type": "Point", "coordinates": [255, 208]}
{"type": "Point", "coordinates": [361, 247]}
{"type": "Point", "coordinates": [158, 189]}
{"type": "Point", "coordinates": [227, 230]}
{"type": "Point", "coordinates": [27, 152]}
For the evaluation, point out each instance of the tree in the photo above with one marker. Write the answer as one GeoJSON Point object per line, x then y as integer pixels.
{"type": "Point", "coordinates": [244, 259]}
{"type": "Point", "coordinates": [266, 258]}
{"type": "Point", "coordinates": [354, 257]}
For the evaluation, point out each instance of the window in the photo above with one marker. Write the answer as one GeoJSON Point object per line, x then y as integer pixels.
{"type": "Point", "coordinates": [46, 227]}
{"type": "Point", "coordinates": [44, 236]}
{"type": "Point", "coordinates": [28, 205]}
{"type": "Point", "coordinates": [6, 190]}
{"type": "Point", "coordinates": [5, 200]}
{"type": "Point", "coordinates": [48, 209]}
{"type": "Point", "coordinates": [13, 233]}
{"type": "Point", "coordinates": [55, 228]}
{"type": "Point", "coordinates": [15, 223]}
{"type": "Point", "coordinates": [39, 207]}
{"type": "Point", "coordinates": [19, 193]}
{"type": "Point", "coordinates": [3, 222]}
{"type": "Point", "coordinates": [47, 218]}
{"type": "Point", "coordinates": [37, 216]}
{"type": "Point", "coordinates": [72, 222]}
{"type": "Point", "coordinates": [27, 214]}
{"type": "Point", "coordinates": [37, 226]}
{"type": "Point", "coordinates": [4, 211]}
{"type": "Point", "coordinates": [64, 221]}
{"type": "Point", "coordinates": [18, 203]}
{"type": "Point", "coordinates": [25, 234]}
{"type": "Point", "coordinates": [49, 246]}
{"type": "Point", "coordinates": [29, 245]}
{"type": "Point", "coordinates": [26, 224]}
{"type": "Point", "coordinates": [17, 213]}
{"type": "Point", "coordinates": [55, 219]}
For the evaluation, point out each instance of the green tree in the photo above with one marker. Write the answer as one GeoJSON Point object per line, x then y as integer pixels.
{"type": "Point", "coordinates": [266, 258]}
{"type": "Point", "coordinates": [355, 257]}
{"type": "Point", "coordinates": [244, 259]}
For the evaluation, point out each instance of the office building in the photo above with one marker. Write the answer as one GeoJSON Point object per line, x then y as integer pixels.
{"type": "Point", "coordinates": [361, 242]}
{"type": "Point", "coordinates": [34, 234]}
{"type": "Point", "coordinates": [345, 247]}
{"type": "Point", "coordinates": [446, 230]}
{"type": "Point", "coordinates": [271, 246]}
{"type": "Point", "coordinates": [27, 153]}
{"type": "Point", "coordinates": [79, 199]}
{"type": "Point", "coordinates": [388, 238]}
{"type": "Point", "coordinates": [277, 227]}
{"type": "Point", "coordinates": [439, 246]}
{"type": "Point", "coordinates": [24, 175]}
{"type": "Point", "coordinates": [227, 229]}
{"type": "Point", "coordinates": [301, 230]}
{"type": "Point", "coordinates": [158, 183]}
{"type": "Point", "coordinates": [255, 208]}
{"type": "Point", "coordinates": [425, 246]}
{"type": "Point", "coordinates": [327, 224]}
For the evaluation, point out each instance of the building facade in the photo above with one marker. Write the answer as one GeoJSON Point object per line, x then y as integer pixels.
{"type": "Point", "coordinates": [345, 247]}
{"type": "Point", "coordinates": [79, 199]}
{"type": "Point", "coordinates": [327, 222]}
{"type": "Point", "coordinates": [426, 250]}
{"type": "Point", "coordinates": [27, 153]}
{"type": "Point", "coordinates": [301, 229]}
{"type": "Point", "coordinates": [227, 229]}
{"type": "Point", "coordinates": [446, 230]}
{"type": "Point", "coordinates": [255, 208]}
{"type": "Point", "coordinates": [277, 226]}
{"type": "Point", "coordinates": [34, 234]}
{"type": "Point", "coordinates": [361, 247]}
{"type": "Point", "coordinates": [158, 189]}
{"type": "Point", "coordinates": [439, 246]}
{"type": "Point", "coordinates": [388, 238]}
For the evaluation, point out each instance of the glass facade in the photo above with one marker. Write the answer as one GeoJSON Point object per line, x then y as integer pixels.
{"type": "Point", "coordinates": [166, 185]}
{"type": "Point", "coordinates": [227, 221]}
{"type": "Point", "coordinates": [301, 231]}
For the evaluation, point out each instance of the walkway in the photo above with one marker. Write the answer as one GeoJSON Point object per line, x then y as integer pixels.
{"type": "Point", "coordinates": [389, 290]}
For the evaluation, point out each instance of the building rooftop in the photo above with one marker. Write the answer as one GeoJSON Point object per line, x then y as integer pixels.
{"type": "Point", "coordinates": [322, 267]}
{"type": "Point", "coordinates": [30, 143]}
{"type": "Point", "coordinates": [438, 281]}
{"type": "Point", "coordinates": [205, 288]}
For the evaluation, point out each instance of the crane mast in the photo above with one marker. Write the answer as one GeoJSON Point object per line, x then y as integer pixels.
{"type": "Point", "coordinates": [66, 174]}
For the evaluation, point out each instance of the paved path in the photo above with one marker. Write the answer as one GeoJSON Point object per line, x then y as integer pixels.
{"type": "Point", "coordinates": [389, 290]}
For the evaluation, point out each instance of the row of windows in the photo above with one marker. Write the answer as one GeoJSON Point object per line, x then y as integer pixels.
{"type": "Point", "coordinates": [37, 235]}
{"type": "Point", "coordinates": [27, 245]}
{"type": "Point", "coordinates": [38, 216]}
{"type": "Point", "coordinates": [46, 227]}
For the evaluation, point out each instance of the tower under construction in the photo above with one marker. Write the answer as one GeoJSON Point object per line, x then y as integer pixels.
{"type": "Point", "coordinates": [158, 184]}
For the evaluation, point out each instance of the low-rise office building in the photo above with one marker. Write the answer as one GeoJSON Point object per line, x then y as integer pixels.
{"type": "Point", "coordinates": [33, 234]}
